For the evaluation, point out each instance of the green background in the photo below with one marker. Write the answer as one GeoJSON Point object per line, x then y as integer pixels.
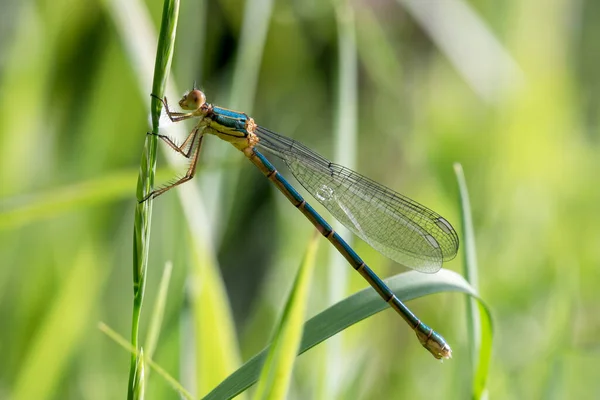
{"type": "Point", "coordinates": [508, 89]}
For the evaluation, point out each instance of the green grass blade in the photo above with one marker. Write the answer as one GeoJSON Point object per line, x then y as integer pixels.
{"type": "Point", "coordinates": [121, 341]}
{"type": "Point", "coordinates": [216, 352]}
{"type": "Point", "coordinates": [345, 144]}
{"type": "Point", "coordinates": [469, 265]}
{"type": "Point", "coordinates": [216, 348]}
{"type": "Point", "coordinates": [463, 47]}
{"type": "Point", "coordinates": [407, 286]}
{"type": "Point", "coordinates": [139, 378]}
{"type": "Point", "coordinates": [479, 324]}
{"type": "Point", "coordinates": [277, 370]}
{"type": "Point", "coordinates": [143, 211]}
{"type": "Point", "coordinates": [248, 60]}
{"type": "Point", "coordinates": [60, 333]}
{"type": "Point", "coordinates": [158, 313]}
{"type": "Point", "coordinates": [485, 353]}
{"type": "Point", "coordinates": [257, 17]}
{"type": "Point", "coordinates": [377, 53]}
{"type": "Point", "coordinates": [20, 210]}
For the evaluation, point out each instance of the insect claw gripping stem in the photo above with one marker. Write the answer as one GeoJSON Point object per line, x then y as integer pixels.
{"type": "Point", "coordinates": [146, 198]}
{"type": "Point", "coordinates": [173, 116]}
{"type": "Point", "coordinates": [165, 105]}
{"type": "Point", "coordinates": [162, 100]}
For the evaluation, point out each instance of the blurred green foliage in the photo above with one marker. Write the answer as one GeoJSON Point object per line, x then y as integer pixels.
{"type": "Point", "coordinates": [519, 109]}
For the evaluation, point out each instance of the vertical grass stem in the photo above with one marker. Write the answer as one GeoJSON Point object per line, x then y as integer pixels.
{"type": "Point", "coordinates": [143, 211]}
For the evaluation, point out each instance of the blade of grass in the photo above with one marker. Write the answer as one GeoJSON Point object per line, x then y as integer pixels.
{"type": "Point", "coordinates": [479, 324]}
{"type": "Point", "coordinates": [277, 370]}
{"type": "Point", "coordinates": [143, 211]}
{"type": "Point", "coordinates": [216, 345]}
{"type": "Point", "coordinates": [248, 59]}
{"type": "Point", "coordinates": [470, 45]}
{"type": "Point", "coordinates": [158, 313]}
{"type": "Point", "coordinates": [217, 353]}
{"type": "Point", "coordinates": [20, 210]}
{"type": "Point", "coordinates": [257, 16]}
{"type": "Point", "coordinates": [58, 335]}
{"type": "Point", "coordinates": [485, 353]}
{"type": "Point", "coordinates": [121, 341]}
{"type": "Point", "coordinates": [139, 380]}
{"type": "Point", "coordinates": [377, 53]}
{"type": "Point", "coordinates": [407, 286]}
{"type": "Point", "coordinates": [345, 143]}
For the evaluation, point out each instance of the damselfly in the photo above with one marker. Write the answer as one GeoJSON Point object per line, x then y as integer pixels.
{"type": "Point", "coordinates": [391, 223]}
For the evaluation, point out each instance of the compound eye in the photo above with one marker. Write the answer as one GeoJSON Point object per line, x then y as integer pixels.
{"type": "Point", "coordinates": [193, 100]}
{"type": "Point", "coordinates": [197, 98]}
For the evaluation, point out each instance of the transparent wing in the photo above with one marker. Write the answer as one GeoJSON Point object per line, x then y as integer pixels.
{"type": "Point", "coordinates": [396, 226]}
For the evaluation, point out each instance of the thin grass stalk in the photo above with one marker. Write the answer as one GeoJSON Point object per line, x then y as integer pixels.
{"type": "Point", "coordinates": [121, 341]}
{"type": "Point", "coordinates": [276, 374]}
{"type": "Point", "coordinates": [345, 139]}
{"type": "Point", "coordinates": [143, 211]}
{"type": "Point", "coordinates": [469, 264]}
{"type": "Point", "coordinates": [479, 325]}
{"type": "Point", "coordinates": [208, 297]}
{"type": "Point", "coordinates": [140, 377]}
{"type": "Point", "coordinates": [158, 314]}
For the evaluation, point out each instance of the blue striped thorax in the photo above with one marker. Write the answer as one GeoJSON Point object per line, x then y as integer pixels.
{"type": "Point", "coordinates": [234, 127]}
{"type": "Point", "coordinates": [228, 120]}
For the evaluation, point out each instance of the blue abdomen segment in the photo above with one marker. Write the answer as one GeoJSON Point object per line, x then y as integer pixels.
{"type": "Point", "coordinates": [229, 119]}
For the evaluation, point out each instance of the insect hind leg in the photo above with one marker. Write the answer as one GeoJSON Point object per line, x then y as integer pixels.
{"type": "Point", "coordinates": [195, 151]}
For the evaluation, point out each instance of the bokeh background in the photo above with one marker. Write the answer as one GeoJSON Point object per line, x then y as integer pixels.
{"type": "Point", "coordinates": [509, 89]}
